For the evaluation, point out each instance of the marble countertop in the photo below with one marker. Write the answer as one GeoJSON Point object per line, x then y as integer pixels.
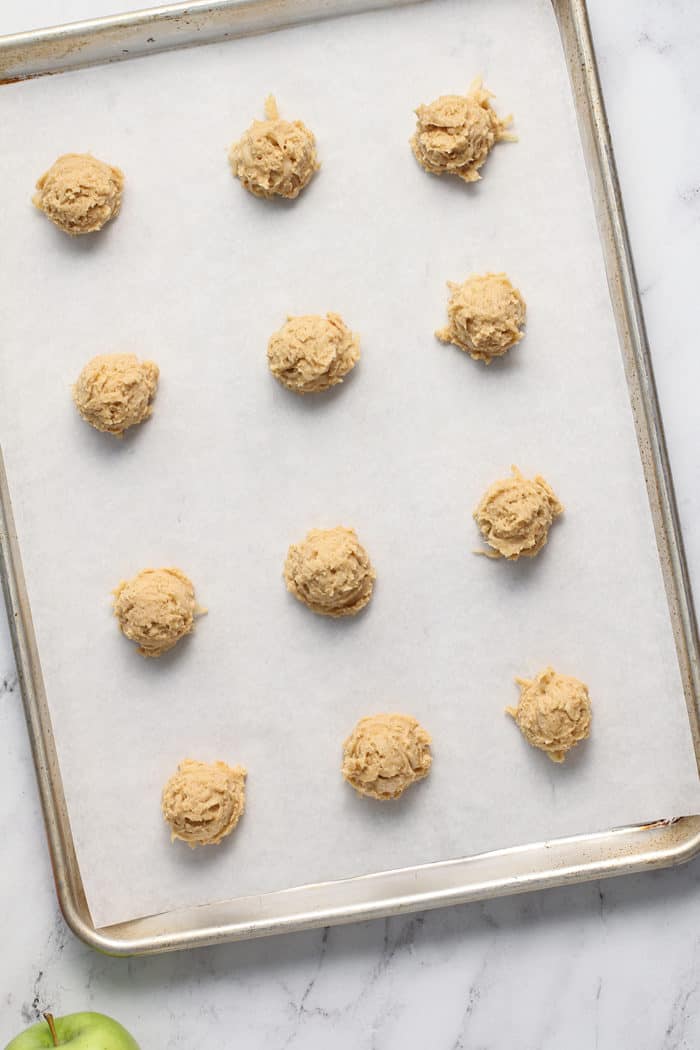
{"type": "Point", "coordinates": [602, 965]}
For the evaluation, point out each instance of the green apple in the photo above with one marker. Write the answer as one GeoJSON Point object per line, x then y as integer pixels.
{"type": "Point", "coordinates": [86, 1031]}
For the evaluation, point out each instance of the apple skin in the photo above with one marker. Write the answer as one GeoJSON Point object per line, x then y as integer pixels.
{"type": "Point", "coordinates": [84, 1031]}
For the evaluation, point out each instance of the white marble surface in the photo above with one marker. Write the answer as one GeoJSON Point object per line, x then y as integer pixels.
{"type": "Point", "coordinates": [614, 965]}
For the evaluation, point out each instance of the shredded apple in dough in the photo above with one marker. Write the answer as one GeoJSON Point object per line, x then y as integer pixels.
{"type": "Point", "coordinates": [203, 802]}
{"type": "Point", "coordinates": [80, 193]}
{"type": "Point", "coordinates": [515, 515]}
{"type": "Point", "coordinates": [553, 713]}
{"type": "Point", "coordinates": [274, 157]}
{"type": "Point", "coordinates": [385, 754]}
{"type": "Point", "coordinates": [114, 392]}
{"type": "Point", "coordinates": [310, 354]}
{"type": "Point", "coordinates": [330, 572]}
{"type": "Point", "coordinates": [155, 609]}
{"type": "Point", "coordinates": [485, 316]}
{"type": "Point", "coordinates": [455, 134]}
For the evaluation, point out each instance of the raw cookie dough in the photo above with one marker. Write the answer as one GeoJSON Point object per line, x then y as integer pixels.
{"type": "Point", "coordinates": [455, 133]}
{"type": "Point", "coordinates": [553, 713]}
{"type": "Point", "coordinates": [156, 609]}
{"type": "Point", "coordinates": [385, 754]}
{"type": "Point", "coordinates": [330, 572]}
{"type": "Point", "coordinates": [312, 353]}
{"type": "Point", "coordinates": [114, 391]}
{"type": "Point", "coordinates": [485, 316]}
{"type": "Point", "coordinates": [203, 802]}
{"type": "Point", "coordinates": [80, 193]}
{"type": "Point", "coordinates": [515, 515]}
{"type": "Point", "coordinates": [274, 158]}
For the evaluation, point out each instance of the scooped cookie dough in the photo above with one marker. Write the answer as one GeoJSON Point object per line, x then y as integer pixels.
{"type": "Point", "coordinates": [311, 353]}
{"type": "Point", "coordinates": [80, 193]}
{"type": "Point", "coordinates": [515, 515]}
{"type": "Point", "coordinates": [553, 713]}
{"type": "Point", "coordinates": [330, 572]}
{"type": "Point", "coordinates": [385, 754]}
{"type": "Point", "coordinates": [274, 158]}
{"type": "Point", "coordinates": [455, 133]}
{"type": "Point", "coordinates": [155, 609]}
{"type": "Point", "coordinates": [114, 392]}
{"type": "Point", "coordinates": [485, 315]}
{"type": "Point", "coordinates": [202, 802]}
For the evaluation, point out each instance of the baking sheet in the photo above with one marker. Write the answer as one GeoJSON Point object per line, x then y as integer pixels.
{"type": "Point", "coordinates": [35, 14]}
{"type": "Point", "coordinates": [196, 274]}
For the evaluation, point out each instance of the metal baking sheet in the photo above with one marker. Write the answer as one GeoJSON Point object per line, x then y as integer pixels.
{"type": "Point", "coordinates": [565, 382]}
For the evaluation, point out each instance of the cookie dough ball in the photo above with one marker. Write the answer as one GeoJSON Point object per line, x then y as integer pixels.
{"type": "Point", "coordinates": [485, 316]}
{"type": "Point", "coordinates": [553, 713]}
{"type": "Point", "coordinates": [385, 754]}
{"type": "Point", "coordinates": [204, 801]}
{"type": "Point", "coordinates": [155, 609]}
{"type": "Point", "coordinates": [274, 158]}
{"type": "Point", "coordinates": [330, 572]}
{"type": "Point", "coordinates": [80, 193]}
{"type": "Point", "coordinates": [515, 515]}
{"type": "Point", "coordinates": [114, 392]}
{"type": "Point", "coordinates": [455, 133]}
{"type": "Point", "coordinates": [310, 353]}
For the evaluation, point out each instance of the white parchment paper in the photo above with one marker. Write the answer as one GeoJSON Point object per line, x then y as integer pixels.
{"type": "Point", "coordinates": [196, 274]}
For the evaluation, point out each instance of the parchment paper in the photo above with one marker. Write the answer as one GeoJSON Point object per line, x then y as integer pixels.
{"type": "Point", "coordinates": [196, 274]}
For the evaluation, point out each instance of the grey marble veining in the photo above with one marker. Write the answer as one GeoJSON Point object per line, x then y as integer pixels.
{"type": "Point", "coordinates": [606, 966]}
